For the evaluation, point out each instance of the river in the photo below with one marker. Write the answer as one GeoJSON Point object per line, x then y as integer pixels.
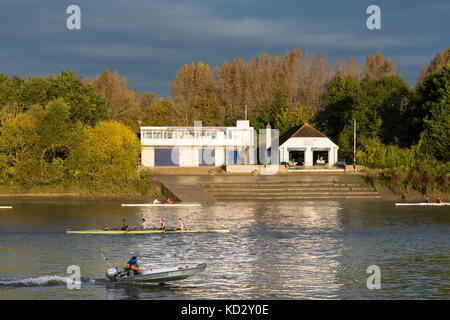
{"type": "Point", "coordinates": [285, 250]}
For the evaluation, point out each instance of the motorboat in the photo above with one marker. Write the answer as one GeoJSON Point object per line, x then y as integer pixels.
{"type": "Point", "coordinates": [161, 275]}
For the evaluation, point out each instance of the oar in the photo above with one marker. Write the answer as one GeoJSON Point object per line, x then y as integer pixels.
{"type": "Point", "coordinates": [106, 259]}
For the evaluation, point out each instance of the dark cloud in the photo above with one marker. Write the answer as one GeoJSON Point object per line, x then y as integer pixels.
{"type": "Point", "coordinates": [149, 40]}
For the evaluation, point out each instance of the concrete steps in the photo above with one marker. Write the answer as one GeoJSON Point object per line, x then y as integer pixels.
{"type": "Point", "coordinates": [291, 190]}
{"type": "Point", "coordinates": [239, 198]}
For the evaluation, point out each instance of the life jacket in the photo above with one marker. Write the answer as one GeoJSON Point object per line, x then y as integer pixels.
{"type": "Point", "coordinates": [132, 265]}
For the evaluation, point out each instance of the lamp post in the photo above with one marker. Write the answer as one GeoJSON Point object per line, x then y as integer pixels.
{"type": "Point", "coordinates": [354, 144]}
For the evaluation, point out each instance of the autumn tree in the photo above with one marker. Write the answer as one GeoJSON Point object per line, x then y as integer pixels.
{"type": "Point", "coordinates": [377, 66]}
{"type": "Point", "coordinates": [440, 59]}
{"type": "Point", "coordinates": [121, 101]}
{"type": "Point", "coordinates": [195, 97]}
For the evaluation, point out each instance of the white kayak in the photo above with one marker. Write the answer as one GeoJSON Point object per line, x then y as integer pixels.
{"type": "Point", "coordinates": [161, 204]}
{"type": "Point", "coordinates": [156, 275]}
{"type": "Point", "coordinates": [442, 204]}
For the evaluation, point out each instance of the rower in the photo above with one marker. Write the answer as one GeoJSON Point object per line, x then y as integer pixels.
{"type": "Point", "coordinates": [132, 265]}
{"type": "Point", "coordinates": [156, 201]}
{"type": "Point", "coordinates": [169, 201]}
{"type": "Point", "coordinates": [124, 224]}
{"type": "Point", "coordinates": [438, 200]}
{"type": "Point", "coordinates": [181, 224]}
{"type": "Point", "coordinates": [142, 227]}
{"type": "Point", "coordinates": [163, 224]}
{"type": "Point", "coordinates": [427, 200]}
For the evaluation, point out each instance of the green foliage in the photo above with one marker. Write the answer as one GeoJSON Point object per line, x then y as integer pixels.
{"type": "Point", "coordinates": [380, 106]}
{"type": "Point", "coordinates": [340, 99]}
{"type": "Point", "coordinates": [159, 113]}
{"type": "Point", "coordinates": [291, 117]}
{"type": "Point", "coordinates": [434, 106]}
{"type": "Point", "coordinates": [281, 116]}
{"type": "Point", "coordinates": [107, 157]}
{"type": "Point", "coordinates": [84, 103]}
{"type": "Point", "coordinates": [375, 154]}
{"type": "Point", "coordinates": [43, 147]}
{"type": "Point", "coordinates": [428, 178]}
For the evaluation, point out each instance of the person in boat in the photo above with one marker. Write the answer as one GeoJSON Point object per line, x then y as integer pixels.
{"type": "Point", "coordinates": [156, 201]}
{"type": "Point", "coordinates": [169, 201]}
{"type": "Point", "coordinates": [124, 224]}
{"type": "Point", "coordinates": [163, 224]}
{"type": "Point", "coordinates": [427, 200]}
{"type": "Point", "coordinates": [181, 224]}
{"type": "Point", "coordinates": [438, 200]}
{"type": "Point", "coordinates": [143, 225]}
{"type": "Point", "coordinates": [132, 267]}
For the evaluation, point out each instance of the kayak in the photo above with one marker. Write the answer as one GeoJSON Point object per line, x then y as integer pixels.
{"type": "Point", "coordinates": [155, 275]}
{"type": "Point", "coordinates": [442, 204]}
{"type": "Point", "coordinates": [145, 231]}
{"type": "Point", "coordinates": [161, 204]}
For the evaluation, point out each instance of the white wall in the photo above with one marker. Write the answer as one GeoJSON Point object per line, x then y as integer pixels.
{"type": "Point", "coordinates": [188, 157]}
{"type": "Point", "coordinates": [148, 156]}
{"type": "Point", "coordinates": [220, 156]}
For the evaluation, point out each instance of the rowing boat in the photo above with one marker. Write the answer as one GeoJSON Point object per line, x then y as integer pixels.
{"type": "Point", "coordinates": [161, 204]}
{"type": "Point", "coordinates": [145, 231]}
{"type": "Point", "coordinates": [442, 204]}
{"type": "Point", "coordinates": [156, 275]}
{"type": "Point", "coordinates": [5, 207]}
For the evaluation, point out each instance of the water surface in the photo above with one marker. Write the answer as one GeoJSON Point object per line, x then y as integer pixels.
{"type": "Point", "coordinates": [284, 250]}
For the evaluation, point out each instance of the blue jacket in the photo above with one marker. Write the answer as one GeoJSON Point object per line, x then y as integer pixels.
{"type": "Point", "coordinates": [132, 265]}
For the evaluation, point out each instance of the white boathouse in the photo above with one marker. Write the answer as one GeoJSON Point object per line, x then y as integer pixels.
{"type": "Point", "coordinates": [198, 146]}
{"type": "Point", "coordinates": [307, 147]}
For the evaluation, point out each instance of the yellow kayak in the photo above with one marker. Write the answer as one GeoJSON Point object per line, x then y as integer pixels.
{"type": "Point", "coordinates": [145, 231]}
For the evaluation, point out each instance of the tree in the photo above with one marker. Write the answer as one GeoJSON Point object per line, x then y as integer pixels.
{"type": "Point", "coordinates": [340, 99]}
{"type": "Point", "coordinates": [121, 101]}
{"type": "Point", "coordinates": [434, 105]}
{"type": "Point", "coordinates": [160, 114]}
{"type": "Point", "coordinates": [292, 116]}
{"type": "Point", "coordinates": [378, 67]}
{"type": "Point", "coordinates": [390, 98]}
{"type": "Point", "coordinates": [439, 60]}
{"type": "Point", "coordinates": [86, 105]}
{"type": "Point", "coordinates": [108, 155]}
{"type": "Point", "coordinates": [57, 135]}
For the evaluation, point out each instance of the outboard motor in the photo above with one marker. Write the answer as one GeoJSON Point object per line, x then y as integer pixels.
{"type": "Point", "coordinates": [111, 274]}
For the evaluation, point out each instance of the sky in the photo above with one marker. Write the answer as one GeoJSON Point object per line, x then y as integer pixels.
{"type": "Point", "coordinates": [148, 41]}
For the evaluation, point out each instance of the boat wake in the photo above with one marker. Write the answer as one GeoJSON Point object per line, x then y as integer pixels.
{"type": "Point", "coordinates": [45, 281]}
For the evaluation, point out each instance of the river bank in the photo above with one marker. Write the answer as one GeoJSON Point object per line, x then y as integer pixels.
{"type": "Point", "coordinates": [204, 188]}
{"type": "Point", "coordinates": [153, 189]}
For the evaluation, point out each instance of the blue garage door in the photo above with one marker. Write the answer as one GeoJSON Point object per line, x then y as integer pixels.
{"type": "Point", "coordinates": [167, 157]}
{"type": "Point", "coordinates": [233, 157]}
{"type": "Point", "coordinates": [207, 157]}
